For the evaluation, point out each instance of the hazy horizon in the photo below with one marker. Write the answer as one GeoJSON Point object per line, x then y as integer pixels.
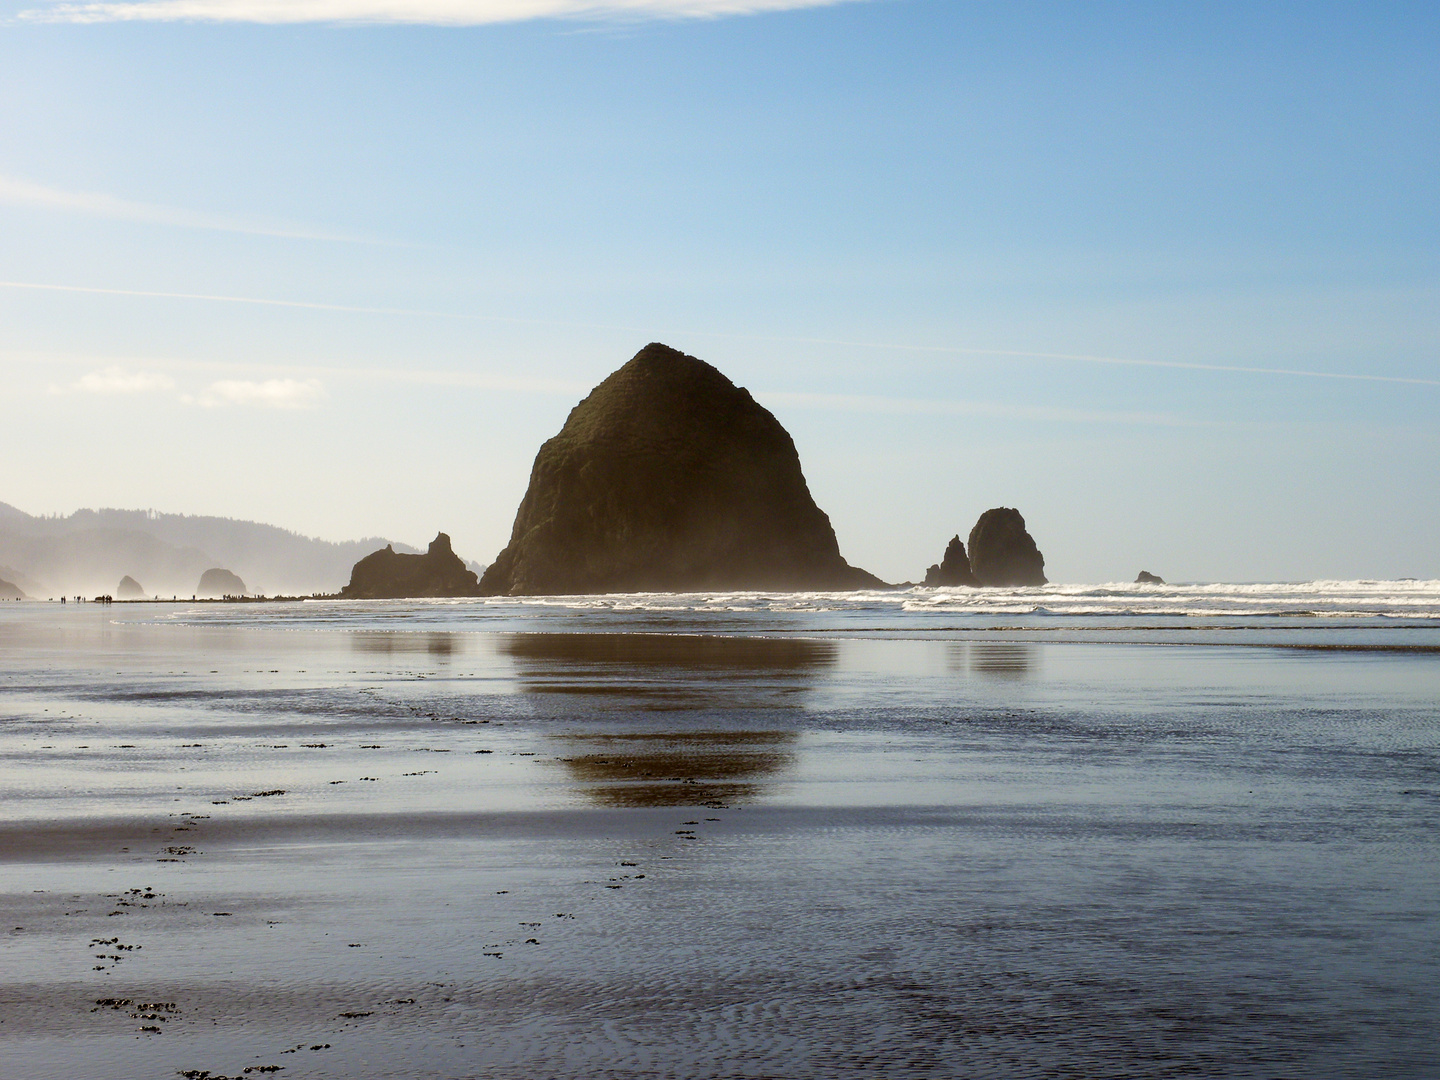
{"type": "Point", "coordinates": [1163, 278]}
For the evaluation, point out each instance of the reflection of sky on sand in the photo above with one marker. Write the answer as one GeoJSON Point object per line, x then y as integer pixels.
{"type": "Point", "coordinates": [669, 671]}
{"type": "Point", "coordinates": [1022, 833]}
{"type": "Point", "coordinates": [677, 768]}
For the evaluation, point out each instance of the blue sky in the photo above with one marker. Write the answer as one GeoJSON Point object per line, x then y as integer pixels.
{"type": "Point", "coordinates": [1164, 276]}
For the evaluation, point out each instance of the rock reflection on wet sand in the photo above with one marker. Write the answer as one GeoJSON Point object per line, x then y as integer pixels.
{"type": "Point", "coordinates": [677, 768]}
{"type": "Point", "coordinates": [1002, 659]}
{"type": "Point", "coordinates": [390, 643]}
{"type": "Point", "coordinates": [670, 671]}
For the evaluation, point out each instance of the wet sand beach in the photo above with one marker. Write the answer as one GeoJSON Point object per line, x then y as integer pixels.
{"type": "Point", "coordinates": [490, 840]}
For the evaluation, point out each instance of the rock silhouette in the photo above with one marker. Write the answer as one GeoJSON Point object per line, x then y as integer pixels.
{"type": "Point", "coordinates": [1002, 552]}
{"type": "Point", "coordinates": [669, 478]}
{"type": "Point", "coordinates": [128, 589]}
{"type": "Point", "coordinates": [1147, 578]}
{"type": "Point", "coordinates": [388, 575]}
{"type": "Point", "coordinates": [953, 569]}
{"type": "Point", "coordinates": [10, 592]}
{"type": "Point", "coordinates": [218, 582]}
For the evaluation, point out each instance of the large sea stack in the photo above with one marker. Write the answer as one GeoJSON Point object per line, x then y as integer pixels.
{"type": "Point", "coordinates": [219, 582]}
{"type": "Point", "coordinates": [953, 569]}
{"type": "Point", "coordinates": [1002, 552]}
{"type": "Point", "coordinates": [669, 478]}
{"type": "Point", "coordinates": [129, 589]}
{"type": "Point", "coordinates": [389, 575]}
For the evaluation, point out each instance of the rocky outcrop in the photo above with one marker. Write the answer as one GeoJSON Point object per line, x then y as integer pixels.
{"type": "Point", "coordinates": [669, 478]}
{"type": "Point", "coordinates": [218, 582]}
{"type": "Point", "coordinates": [1001, 551]}
{"type": "Point", "coordinates": [10, 592]}
{"type": "Point", "coordinates": [129, 589]}
{"type": "Point", "coordinates": [27, 585]}
{"type": "Point", "coordinates": [953, 569]}
{"type": "Point", "coordinates": [1147, 578]}
{"type": "Point", "coordinates": [388, 575]}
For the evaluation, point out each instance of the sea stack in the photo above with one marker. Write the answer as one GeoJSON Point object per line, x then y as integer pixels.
{"type": "Point", "coordinates": [10, 592]}
{"type": "Point", "coordinates": [129, 589]}
{"type": "Point", "coordinates": [669, 478]}
{"type": "Point", "coordinates": [217, 582]}
{"type": "Point", "coordinates": [1147, 578]}
{"type": "Point", "coordinates": [953, 569]}
{"type": "Point", "coordinates": [1002, 553]}
{"type": "Point", "coordinates": [389, 575]}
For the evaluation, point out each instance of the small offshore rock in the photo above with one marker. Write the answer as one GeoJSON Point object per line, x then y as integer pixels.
{"type": "Point", "coordinates": [953, 569]}
{"type": "Point", "coordinates": [1147, 578]}
{"type": "Point", "coordinates": [389, 575]}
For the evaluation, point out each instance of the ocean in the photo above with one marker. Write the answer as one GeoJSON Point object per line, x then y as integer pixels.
{"type": "Point", "coordinates": [1074, 831]}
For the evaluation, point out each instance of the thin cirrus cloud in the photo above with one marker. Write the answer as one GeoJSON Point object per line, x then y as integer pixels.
{"type": "Point", "coordinates": [429, 12]}
{"type": "Point", "coordinates": [16, 191]}
{"type": "Point", "coordinates": [112, 381]}
{"type": "Point", "coordinates": [116, 381]}
{"type": "Point", "coordinates": [267, 393]}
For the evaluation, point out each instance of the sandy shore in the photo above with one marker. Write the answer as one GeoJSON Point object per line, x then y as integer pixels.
{"type": "Point", "coordinates": [362, 853]}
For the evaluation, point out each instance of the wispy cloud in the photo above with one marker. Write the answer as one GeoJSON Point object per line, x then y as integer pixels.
{"type": "Point", "coordinates": [275, 393]}
{"type": "Point", "coordinates": [903, 406]}
{"type": "Point", "coordinates": [117, 380]}
{"type": "Point", "coordinates": [430, 12]}
{"type": "Point", "coordinates": [267, 393]}
{"type": "Point", "coordinates": [19, 192]}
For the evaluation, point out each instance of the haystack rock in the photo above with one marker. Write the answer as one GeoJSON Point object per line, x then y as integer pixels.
{"type": "Point", "coordinates": [669, 478]}
{"type": "Point", "coordinates": [953, 569]}
{"type": "Point", "coordinates": [10, 592]}
{"type": "Point", "coordinates": [389, 575]}
{"type": "Point", "coordinates": [218, 582]}
{"type": "Point", "coordinates": [1002, 552]}
{"type": "Point", "coordinates": [1147, 578]}
{"type": "Point", "coordinates": [129, 589]}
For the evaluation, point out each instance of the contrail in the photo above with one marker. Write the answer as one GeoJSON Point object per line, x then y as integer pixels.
{"type": "Point", "coordinates": [14, 190]}
{"type": "Point", "coordinates": [262, 301]}
{"type": "Point", "coordinates": [943, 350]}
{"type": "Point", "coordinates": [1087, 358]}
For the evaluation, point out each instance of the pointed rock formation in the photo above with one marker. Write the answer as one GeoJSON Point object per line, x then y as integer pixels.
{"type": "Point", "coordinates": [217, 582]}
{"type": "Point", "coordinates": [1147, 578]}
{"type": "Point", "coordinates": [129, 589]}
{"type": "Point", "coordinates": [1002, 552]}
{"type": "Point", "coordinates": [388, 575]}
{"type": "Point", "coordinates": [669, 478]}
{"type": "Point", "coordinates": [953, 569]}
